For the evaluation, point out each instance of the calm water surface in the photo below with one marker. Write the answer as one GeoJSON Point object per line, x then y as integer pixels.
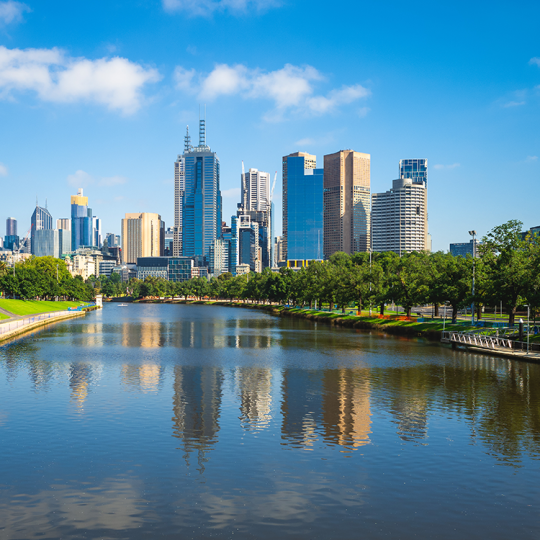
{"type": "Point", "coordinates": [169, 421]}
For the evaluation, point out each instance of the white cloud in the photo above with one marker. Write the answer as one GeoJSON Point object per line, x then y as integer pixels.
{"type": "Point", "coordinates": [363, 111]}
{"type": "Point", "coordinates": [439, 166]}
{"type": "Point", "coordinates": [231, 193]}
{"type": "Point", "coordinates": [82, 179]}
{"type": "Point", "coordinates": [3, 170]}
{"type": "Point", "coordinates": [206, 8]}
{"type": "Point", "coordinates": [113, 82]}
{"type": "Point", "coordinates": [291, 87]}
{"type": "Point", "coordinates": [12, 12]}
{"type": "Point", "coordinates": [513, 104]}
{"type": "Point", "coordinates": [112, 181]}
{"type": "Point", "coordinates": [534, 61]}
{"type": "Point", "coordinates": [531, 159]}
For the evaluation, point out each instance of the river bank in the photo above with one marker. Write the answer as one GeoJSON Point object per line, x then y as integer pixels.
{"type": "Point", "coordinates": [389, 325]}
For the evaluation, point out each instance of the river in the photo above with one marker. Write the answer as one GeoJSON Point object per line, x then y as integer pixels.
{"type": "Point", "coordinates": [192, 422]}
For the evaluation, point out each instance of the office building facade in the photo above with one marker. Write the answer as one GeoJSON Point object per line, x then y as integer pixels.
{"type": "Point", "coordinates": [256, 190]}
{"type": "Point", "coordinates": [41, 220]}
{"type": "Point", "coordinates": [303, 184]}
{"type": "Point", "coordinates": [141, 236]}
{"type": "Point", "coordinates": [200, 200]}
{"type": "Point", "coordinates": [415, 169]}
{"type": "Point", "coordinates": [81, 221]}
{"type": "Point", "coordinates": [63, 223]}
{"type": "Point", "coordinates": [11, 226]}
{"type": "Point", "coordinates": [399, 218]}
{"type": "Point", "coordinates": [170, 268]}
{"type": "Point", "coordinates": [347, 204]}
{"type": "Point", "coordinates": [465, 248]}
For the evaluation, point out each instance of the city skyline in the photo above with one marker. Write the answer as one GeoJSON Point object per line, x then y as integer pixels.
{"type": "Point", "coordinates": [468, 103]}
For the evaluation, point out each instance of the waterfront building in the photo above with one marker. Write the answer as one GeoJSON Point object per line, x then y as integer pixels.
{"type": "Point", "coordinates": [106, 267]}
{"type": "Point", "coordinates": [81, 221]}
{"type": "Point", "coordinates": [200, 198]}
{"type": "Point", "coordinates": [63, 223]}
{"type": "Point", "coordinates": [219, 257]}
{"type": "Point", "coordinates": [242, 269]}
{"type": "Point", "coordinates": [399, 218]}
{"type": "Point", "coordinates": [532, 233]}
{"type": "Point", "coordinates": [199, 272]}
{"type": "Point", "coordinates": [41, 220]}
{"type": "Point", "coordinates": [465, 248]}
{"type": "Point", "coordinates": [125, 271]}
{"type": "Point", "coordinates": [11, 226]}
{"type": "Point", "coordinates": [171, 268]}
{"type": "Point", "coordinates": [141, 236]}
{"type": "Point", "coordinates": [278, 249]}
{"type": "Point", "coordinates": [415, 169]}
{"type": "Point", "coordinates": [347, 223]}
{"type": "Point", "coordinates": [302, 207]}
{"type": "Point", "coordinates": [233, 250]}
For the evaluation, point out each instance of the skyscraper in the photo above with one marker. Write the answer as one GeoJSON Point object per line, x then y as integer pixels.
{"type": "Point", "coordinates": [41, 220]}
{"type": "Point", "coordinates": [399, 217]}
{"type": "Point", "coordinates": [256, 190]}
{"type": "Point", "coordinates": [346, 202]}
{"type": "Point", "coordinates": [81, 221]}
{"type": "Point", "coordinates": [200, 200]}
{"type": "Point", "coordinates": [302, 207]}
{"type": "Point", "coordinates": [416, 169]}
{"type": "Point", "coordinates": [141, 236]}
{"type": "Point", "coordinates": [63, 223]}
{"type": "Point", "coordinates": [11, 226]}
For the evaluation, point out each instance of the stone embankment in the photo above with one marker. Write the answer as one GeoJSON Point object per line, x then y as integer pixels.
{"type": "Point", "coordinates": [12, 329]}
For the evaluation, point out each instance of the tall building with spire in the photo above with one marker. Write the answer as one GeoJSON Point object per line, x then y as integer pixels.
{"type": "Point", "coordinates": [81, 222]}
{"type": "Point", "coordinates": [197, 199]}
{"type": "Point", "coordinates": [41, 220]}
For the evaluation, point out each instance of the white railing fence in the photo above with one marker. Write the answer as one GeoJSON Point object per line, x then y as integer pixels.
{"type": "Point", "coordinates": [9, 326]}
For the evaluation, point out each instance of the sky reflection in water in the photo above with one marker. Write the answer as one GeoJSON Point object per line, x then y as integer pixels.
{"type": "Point", "coordinates": [197, 421]}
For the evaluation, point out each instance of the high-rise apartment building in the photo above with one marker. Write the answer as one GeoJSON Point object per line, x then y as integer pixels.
{"type": "Point", "coordinates": [199, 200]}
{"type": "Point", "coordinates": [346, 202]}
{"type": "Point", "coordinates": [415, 169]}
{"type": "Point", "coordinates": [141, 236]}
{"type": "Point", "coordinates": [302, 207]}
{"type": "Point", "coordinates": [63, 223]}
{"type": "Point", "coordinates": [11, 226]}
{"type": "Point", "coordinates": [256, 190]}
{"type": "Point", "coordinates": [96, 232]}
{"type": "Point", "coordinates": [81, 222]}
{"type": "Point", "coordinates": [399, 218]}
{"type": "Point", "coordinates": [41, 220]}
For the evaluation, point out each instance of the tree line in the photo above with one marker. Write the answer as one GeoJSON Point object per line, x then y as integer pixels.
{"type": "Point", "coordinates": [506, 270]}
{"type": "Point", "coordinates": [44, 278]}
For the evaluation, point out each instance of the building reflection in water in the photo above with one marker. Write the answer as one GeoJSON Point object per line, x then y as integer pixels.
{"type": "Point", "coordinates": [145, 377]}
{"type": "Point", "coordinates": [196, 410]}
{"type": "Point", "coordinates": [81, 377]}
{"type": "Point", "coordinates": [332, 404]}
{"type": "Point", "coordinates": [196, 334]}
{"type": "Point", "coordinates": [254, 388]}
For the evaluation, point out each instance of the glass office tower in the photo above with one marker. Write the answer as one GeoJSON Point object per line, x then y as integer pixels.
{"type": "Point", "coordinates": [41, 220]}
{"type": "Point", "coordinates": [81, 222]}
{"type": "Point", "coordinates": [302, 207]}
{"type": "Point", "coordinates": [416, 169]}
{"type": "Point", "coordinates": [201, 212]}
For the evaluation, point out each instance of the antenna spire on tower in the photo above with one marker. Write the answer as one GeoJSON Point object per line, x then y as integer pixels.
{"type": "Point", "coordinates": [187, 141]}
{"type": "Point", "coordinates": [202, 128]}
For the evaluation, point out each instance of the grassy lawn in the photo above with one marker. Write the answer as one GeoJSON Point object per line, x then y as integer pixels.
{"type": "Point", "coordinates": [31, 307]}
{"type": "Point", "coordinates": [2, 316]}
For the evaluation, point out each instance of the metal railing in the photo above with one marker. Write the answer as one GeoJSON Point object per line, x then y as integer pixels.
{"type": "Point", "coordinates": [478, 339]}
{"type": "Point", "coordinates": [9, 326]}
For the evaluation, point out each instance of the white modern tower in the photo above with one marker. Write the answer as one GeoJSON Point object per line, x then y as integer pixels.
{"type": "Point", "coordinates": [256, 190]}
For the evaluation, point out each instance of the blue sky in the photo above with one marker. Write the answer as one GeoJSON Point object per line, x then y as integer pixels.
{"type": "Point", "coordinates": [98, 94]}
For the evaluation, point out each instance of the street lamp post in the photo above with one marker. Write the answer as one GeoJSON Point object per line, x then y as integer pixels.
{"type": "Point", "coordinates": [528, 316]}
{"type": "Point", "coordinates": [473, 234]}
